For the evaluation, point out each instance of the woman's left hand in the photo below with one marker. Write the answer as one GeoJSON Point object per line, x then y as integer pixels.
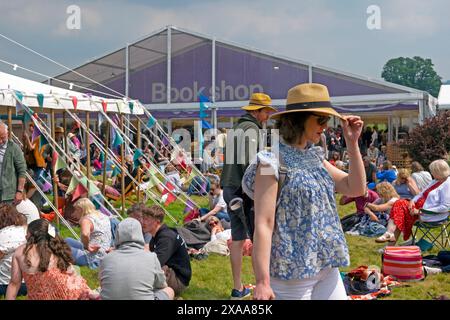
{"type": "Point", "coordinates": [352, 126]}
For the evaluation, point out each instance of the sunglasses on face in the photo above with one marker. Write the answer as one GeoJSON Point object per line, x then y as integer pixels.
{"type": "Point", "coordinates": [321, 119]}
{"type": "Point", "coordinates": [213, 223]}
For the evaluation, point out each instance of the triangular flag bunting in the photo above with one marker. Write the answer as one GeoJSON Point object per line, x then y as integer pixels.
{"type": "Point", "coordinates": [118, 140]}
{"type": "Point", "coordinates": [104, 105]}
{"type": "Point", "coordinates": [167, 195]}
{"type": "Point", "coordinates": [60, 164]}
{"type": "Point", "coordinates": [40, 99]}
{"type": "Point", "coordinates": [151, 122]}
{"type": "Point", "coordinates": [189, 206]}
{"type": "Point", "coordinates": [105, 211]}
{"type": "Point", "coordinates": [26, 118]}
{"type": "Point", "coordinates": [19, 95]}
{"type": "Point", "coordinates": [36, 133]}
{"type": "Point", "coordinates": [74, 102]}
{"type": "Point", "coordinates": [137, 154]}
{"type": "Point", "coordinates": [116, 171]}
{"type": "Point", "coordinates": [78, 192]}
{"type": "Point", "coordinates": [42, 141]}
{"type": "Point", "coordinates": [72, 185]}
{"type": "Point", "coordinates": [131, 106]}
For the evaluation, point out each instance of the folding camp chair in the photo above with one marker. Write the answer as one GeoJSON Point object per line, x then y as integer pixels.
{"type": "Point", "coordinates": [433, 233]}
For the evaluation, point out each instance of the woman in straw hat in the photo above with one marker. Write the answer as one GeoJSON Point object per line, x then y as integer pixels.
{"type": "Point", "coordinates": [298, 250]}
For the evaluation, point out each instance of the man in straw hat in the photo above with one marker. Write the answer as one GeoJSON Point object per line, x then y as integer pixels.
{"type": "Point", "coordinates": [240, 206]}
{"type": "Point", "coordinates": [298, 243]}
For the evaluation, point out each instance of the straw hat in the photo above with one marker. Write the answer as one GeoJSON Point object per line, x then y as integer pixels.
{"type": "Point", "coordinates": [259, 101]}
{"type": "Point", "coordinates": [308, 97]}
{"type": "Point", "coordinates": [70, 135]}
{"type": "Point", "coordinates": [59, 130]}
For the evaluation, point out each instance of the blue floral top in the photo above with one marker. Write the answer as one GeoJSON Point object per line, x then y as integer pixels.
{"type": "Point", "coordinates": [307, 235]}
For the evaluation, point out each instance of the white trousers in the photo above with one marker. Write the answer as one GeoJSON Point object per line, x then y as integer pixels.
{"type": "Point", "coordinates": [327, 285]}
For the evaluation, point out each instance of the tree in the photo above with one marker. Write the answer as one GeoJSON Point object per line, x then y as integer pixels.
{"type": "Point", "coordinates": [431, 140]}
{"type": "Point", "coordinates": [416, 73]}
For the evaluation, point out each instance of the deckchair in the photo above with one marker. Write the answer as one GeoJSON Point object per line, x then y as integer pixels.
{"type": "Point", "coordinates": [434, 228]}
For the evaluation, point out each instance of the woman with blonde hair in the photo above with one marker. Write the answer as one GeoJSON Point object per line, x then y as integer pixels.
{"type": "Point", "coordinates": [405, 185]}
{"type": "Point", "coordinates": [95, 235]}
{"type": "Point", "coordinates": [380, 209]}
{"type": "Point", "coordinates": [435, 198]}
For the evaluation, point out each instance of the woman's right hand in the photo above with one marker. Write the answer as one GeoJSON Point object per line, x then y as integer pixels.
{"type": "Point", "coordinates": [263, 292]}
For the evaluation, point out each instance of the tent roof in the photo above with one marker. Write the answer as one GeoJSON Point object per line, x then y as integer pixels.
{"type": "Point", "coordinates": [152, 49]}
{"type": "Point", "coordinates": [55, 97]}
{"type": "Point", "coordinates": [444, 97]}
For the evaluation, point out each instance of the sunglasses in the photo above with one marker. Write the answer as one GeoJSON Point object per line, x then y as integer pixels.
{"type": "Point", "coordinates": [212, 223]}
{"type": "Point", "coordinates": [321, 119]}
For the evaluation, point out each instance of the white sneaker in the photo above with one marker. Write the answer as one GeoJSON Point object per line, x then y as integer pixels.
{"type": "Point", "coordinates": [430, 270]}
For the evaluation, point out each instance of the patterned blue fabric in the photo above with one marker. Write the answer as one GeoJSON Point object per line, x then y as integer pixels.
{"type": "Point", "coordinates": [307, 236]}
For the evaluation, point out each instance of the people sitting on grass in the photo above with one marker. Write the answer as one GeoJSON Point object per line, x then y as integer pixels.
{"type": "Point", "coordinates": [405, 185]}
{"type": "Point", "coordinates": [435, 198]}
{"type": "Point", "coordinates": [170, 248]}
{"type": "Point", "coordinates": [129, 272]}
{"type": "Point", "coordinates": [13, 228]}
{"type": "Point", "coordinates": [387, 172]}
{"type": "Point", "coordinates": [379, 210]}
{"type": "Point", "coordinates": [45, 262]}
{"type": "Point", "coordinates": [217, 205]}
{"type": "Point", "coordinates": [376, 214]}
{"type": "Point", "coordinates": [420, 175]}
{"type": "Point", "coordinates": [95, 235]}
{"type": "Point", "coordinates": [349, 221]}
{"type": "Point", "coordinates": [218, 232]}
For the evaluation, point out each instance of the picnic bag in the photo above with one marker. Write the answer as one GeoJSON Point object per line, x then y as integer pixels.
{"type": "Point", "coordinates": [404, 263]}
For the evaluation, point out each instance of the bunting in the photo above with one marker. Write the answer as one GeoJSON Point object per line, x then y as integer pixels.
{"type": "Point", "coordinates": [42, 141]}
{"type": "Point", "coordinates": [189, 206]}
{"type": "Point", "coordinates": [131, 106]}
{"type": "Point", "coordinates": [167, 195]}
{"type": "Point", "coordinates": [137, 154]}
{"type": "Point", "coordinates": [74, 102]}
{"type": "Point", "coordinates": [118, 140]}
{"type": "Point", "coordinates": [40, 99]}
{"type": "Point", "coordinates": [104, 105]}
{"type": "Point", "coordinates": [19, 106]}
{"type": "Point", "coordinates": [36, 133]}
{"type": "Point", "coordinates": [151, 122]}
{"type": "Point", "coordinates": [116, 171]}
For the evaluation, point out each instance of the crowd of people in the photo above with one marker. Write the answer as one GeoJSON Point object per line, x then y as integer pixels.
{"type": "Point", "coordinates": [283, 201]}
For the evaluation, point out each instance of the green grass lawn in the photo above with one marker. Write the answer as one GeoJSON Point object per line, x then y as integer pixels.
{"type": "Point", "coordinates": [212, 279]}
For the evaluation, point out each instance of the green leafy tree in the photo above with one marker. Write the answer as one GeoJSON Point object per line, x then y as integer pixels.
{"type": "Point", "coordinates": [431, 140]}
{"type": "Point", "coordinates": [417, 73]}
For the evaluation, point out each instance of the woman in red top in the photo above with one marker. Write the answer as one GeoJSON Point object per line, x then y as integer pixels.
{"type": "Point", "coordinates": [405, 213]}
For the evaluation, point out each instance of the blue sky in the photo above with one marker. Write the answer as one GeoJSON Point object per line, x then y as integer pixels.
{"type": "Point", "coordinates": [331, 33]}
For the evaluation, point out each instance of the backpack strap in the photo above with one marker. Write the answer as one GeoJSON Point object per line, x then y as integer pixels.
{"type": "Point", "coordinates": [282, 173]}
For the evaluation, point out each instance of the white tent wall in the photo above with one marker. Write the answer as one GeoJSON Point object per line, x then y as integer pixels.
{"type": "Point", "coordinates": [444, 97]}
{"type": "Point", "coordinates": [56, 97]}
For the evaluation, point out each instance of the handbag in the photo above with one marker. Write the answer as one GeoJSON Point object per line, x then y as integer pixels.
{"type": "Point", "coordinates": [404, 263]}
